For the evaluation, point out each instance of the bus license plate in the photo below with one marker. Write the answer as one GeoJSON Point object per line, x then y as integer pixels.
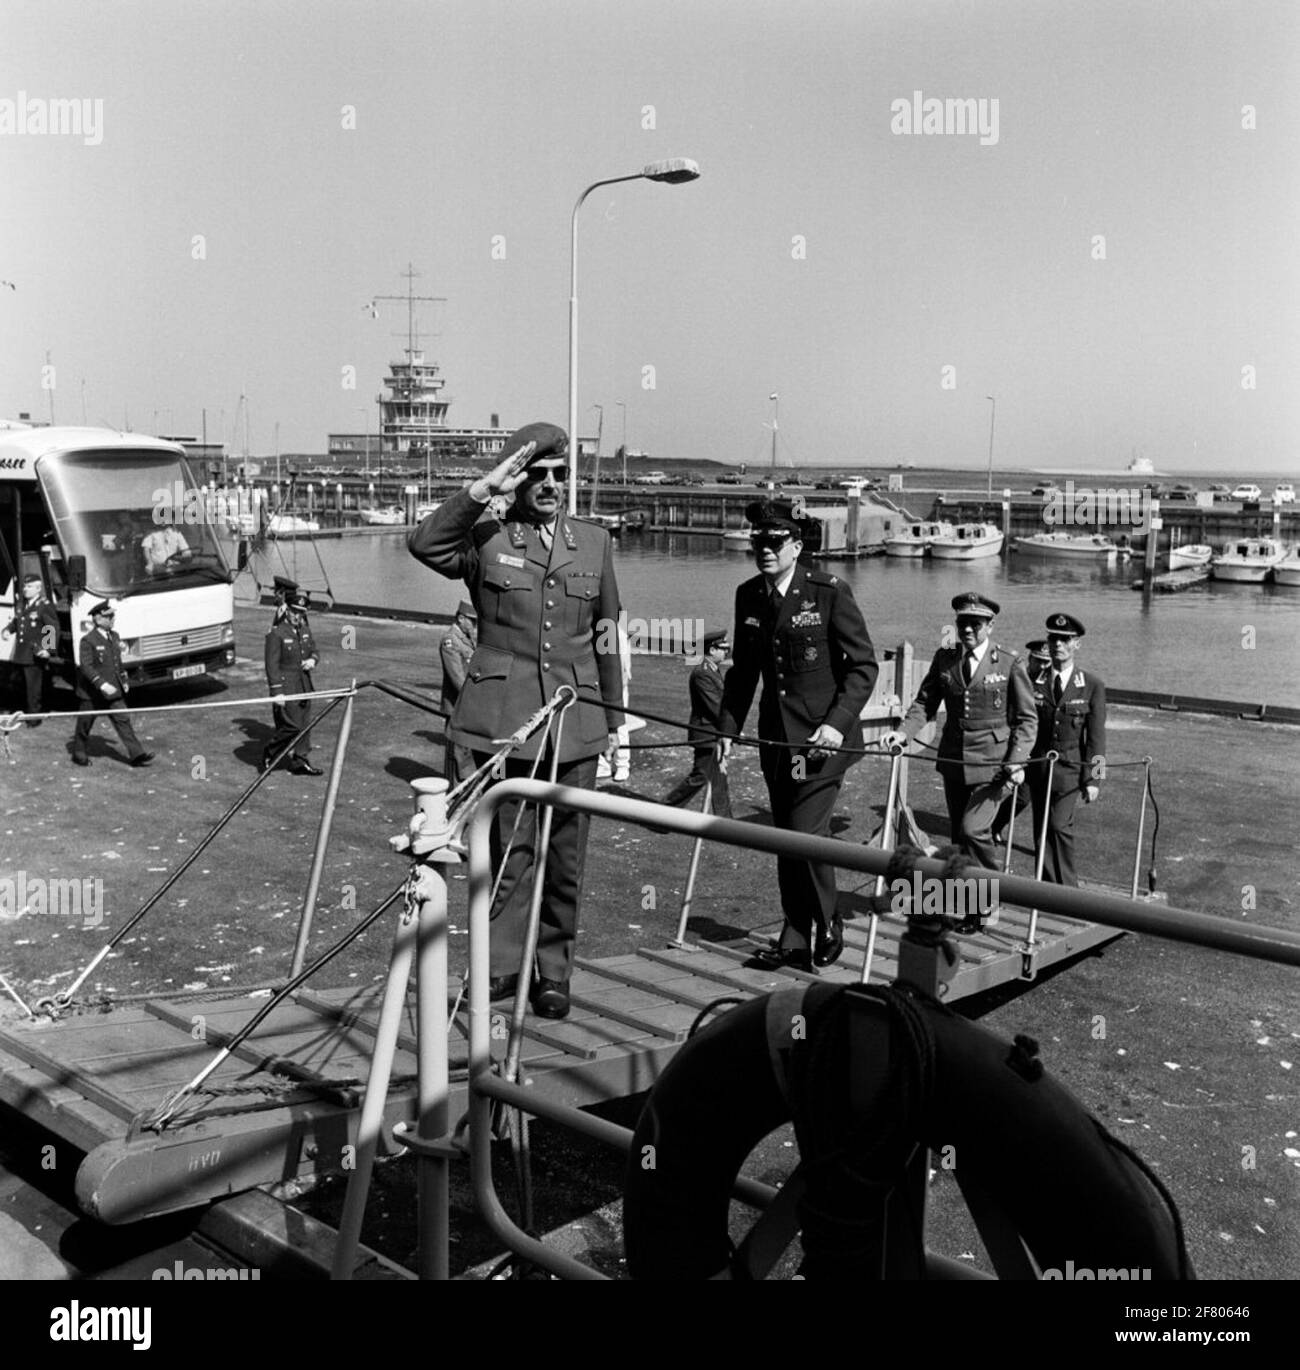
{"type": "Point", "coordinates": [180, 672]}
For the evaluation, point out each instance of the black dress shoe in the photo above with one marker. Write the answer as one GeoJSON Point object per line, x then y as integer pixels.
{"type": "Point", "coordinates": [830, 944]}
{"type": "Point", "coordinates": [551, 999]}
{"type": "Point", "coordinates": [144, 759]}
{"type": "Point", "coordinates": [300, 767]}
{"type": "Point", "coordinates": [79, 760]}
{"type": "Point", "coordinates": [503, 986]}
{"type": "Point", "coordinates": [780, 958]}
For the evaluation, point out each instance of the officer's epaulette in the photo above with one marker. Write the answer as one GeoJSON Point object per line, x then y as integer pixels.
{"type": "Point", "coordinates": [822, 577]}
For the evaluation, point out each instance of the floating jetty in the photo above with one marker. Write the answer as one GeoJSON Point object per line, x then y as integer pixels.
{"type": "Point", "coordinates": [1171, 582]}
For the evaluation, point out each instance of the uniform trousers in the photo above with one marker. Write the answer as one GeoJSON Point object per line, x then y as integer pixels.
{"type": "Point", "coordinates": [562, 884]}
{"type": "Point", "coordinates": [1058, 855]}
{"type": "Point", "coordinates": [289, 718]}
{"type": "Point", "coordinates": [706, 771]}
{"type": "Point", "coordinates": [972, 810]}
{"type": "Point", "coordinates": [807, 887]}
{"type": "Point", "coordinates": [36, 678]}
{"type": "Point", "coordinates": [81, 734]}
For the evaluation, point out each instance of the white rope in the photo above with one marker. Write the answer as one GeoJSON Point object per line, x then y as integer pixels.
{"type": "Point", "coordinates": [8, 723]}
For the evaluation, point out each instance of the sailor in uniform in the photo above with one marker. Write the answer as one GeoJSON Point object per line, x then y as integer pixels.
{"type": "Point", "coordinates": [290, 658]}
{"type": "Point", "coordinates": [1071, 705]}
{"type": "Point", "coordinates": [543, 585]}
{"type": "Point", "coordinates": [988, 729]}
{"type": "Point", "coordinates": [800, 631]}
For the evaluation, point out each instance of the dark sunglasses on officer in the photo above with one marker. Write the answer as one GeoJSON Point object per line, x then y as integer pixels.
{"type": "Point", "coordinates": [535, 475]}
{"type": "Point", "coordinates": [771, 538]}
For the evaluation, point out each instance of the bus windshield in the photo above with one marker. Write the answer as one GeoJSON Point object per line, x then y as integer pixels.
{"type": "Point", "coordinates": [137, 517]}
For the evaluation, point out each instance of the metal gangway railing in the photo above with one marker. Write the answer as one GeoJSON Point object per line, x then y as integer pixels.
{"type": "Point", "coordinates": [422, 940]}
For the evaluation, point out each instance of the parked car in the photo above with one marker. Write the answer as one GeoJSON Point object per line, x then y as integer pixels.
{"type": "Point", "coordinates": [1185, 494]}
{"type": "Point", "coordinates": [1284, 493]}
{"type": "Point", "coordinates": [1048, 489]}
{"type": "Point", "coordinates": [731, 480]}
{"type": "Point", "coordinates": [1247, 494]}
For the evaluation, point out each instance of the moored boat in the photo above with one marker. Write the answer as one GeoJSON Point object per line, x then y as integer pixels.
{"type": "Point", "coordinates": [916, 539]}
{"type": "Point", "coordinates": [1190, 554]}
{"type": "Point", "coordinates": [737, 539]}
{"type": "Point", "coordinates": [967, 541]}
{"type": "Point", "coordinates": [1095, 546]}
{"type": "Point", "coordinates": [290, 526]}
{"type": "Point", "coordinates": [1248, 559]}
{"type": "Point", "coordinates": [391, 515]}
{"type": "Point", "coordinates": [1287, 571]}
{"type": "Point", "coordinates": [422, 511]}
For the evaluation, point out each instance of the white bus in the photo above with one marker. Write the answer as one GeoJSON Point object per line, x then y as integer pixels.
{"type": "Point", "coordinates": [103, 515]}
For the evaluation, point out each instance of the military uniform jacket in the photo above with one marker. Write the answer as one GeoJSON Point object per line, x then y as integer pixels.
{"type": "Point", "coordinates": [1076, 728]}
{"type": "Point", "coordinates": [989, 722]}
{"type": "Point", "coordinates": [100, 658]}
{"type": "Point", "coordinates": [36, 629]}
{"type": "Point", "coordinates": [287, 647]}
{"type": "Point", "coordinates": [814, 657]}
{"type": "Point", "coordinates": [546, 618]}
{"type": "Point", "coordinates": [706, 701]}
{"type": "Point", "coordinates": [456, 650]}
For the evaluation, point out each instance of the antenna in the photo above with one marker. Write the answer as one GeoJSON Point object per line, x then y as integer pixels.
{"type": "Point", "coordinates": [411, 299]}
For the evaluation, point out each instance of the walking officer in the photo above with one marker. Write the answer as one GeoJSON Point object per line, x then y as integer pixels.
{"type": "Point", "coordinates": [35, 628]}
{"type": "Point", "coordinates": [1071, 706]}
{"type": "Point", "coordinates": [988, 728]}
{"type": "Point", "coordinates": [706, 701]}
{"type": "Point", "coordinates": [800, 631]}
{"type": "Point", "coordinates": [102, 684]}
{"type": "Point", "coordinates": [548, 607]}
{"type": "Point", "coordinates": [291, 657]}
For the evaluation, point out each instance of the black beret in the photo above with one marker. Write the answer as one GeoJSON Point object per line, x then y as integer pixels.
{"type": "Point", "coordinates": [978, 606]}
{"type": "Point", "coordinates": [1065, 624]}
{"type": "Point", "coordinates": [551, 442]}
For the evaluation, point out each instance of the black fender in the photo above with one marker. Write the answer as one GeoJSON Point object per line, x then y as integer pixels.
{"type": "Point", "coordinates": [868, 1076]}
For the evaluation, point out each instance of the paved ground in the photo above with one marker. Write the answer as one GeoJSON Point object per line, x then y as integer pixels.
{"type": "Point", "coordinates": [1189, 1055]}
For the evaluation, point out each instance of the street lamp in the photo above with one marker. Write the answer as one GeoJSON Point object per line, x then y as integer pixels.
{"type": "Point", "coordinates": [993, 413]}
{"type": "Point", "coordinates": [776, 410]}
{"type": "Point", "coordinates": [671, 172]}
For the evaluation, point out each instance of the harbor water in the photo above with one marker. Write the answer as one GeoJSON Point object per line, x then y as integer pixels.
{"type": "Point", "coordinates": [1217, 640]}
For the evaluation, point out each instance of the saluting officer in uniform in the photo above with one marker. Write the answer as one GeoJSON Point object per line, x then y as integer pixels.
{"type": "Point", "coordinates": [988, 729]}
{"type": "Point", "coordinates": [291, 657]}
{"type": "Point", "coordinates": [548, 606]}
{"type": "Point", "coordinates": [1071, 708]}
{"type": "Point", "coordinates": [801, 632]}
{"type": "Point", "coordinates": [102, 684]}
{"type": "Point", "coordinates": [35, 628]}
{"type": "Point", "coordinates": [706, 702]}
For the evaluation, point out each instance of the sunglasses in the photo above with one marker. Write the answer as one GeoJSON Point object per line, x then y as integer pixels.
{"type": "Point", "coordinates": [971, 620]}
{"type": "Point", "coordinates": [774, 541]}
{"type": "Point", "coordinates": [535, 475]}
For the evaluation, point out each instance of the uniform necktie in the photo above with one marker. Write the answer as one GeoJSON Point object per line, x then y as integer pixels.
{"type": "Point", "coordinates": [1056, 688]}
{"type": "Point", "coordinates": [968, 667]}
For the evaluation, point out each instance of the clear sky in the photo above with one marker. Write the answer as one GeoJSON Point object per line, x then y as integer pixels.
{"type": "Point", "coordinates": [822, 255]}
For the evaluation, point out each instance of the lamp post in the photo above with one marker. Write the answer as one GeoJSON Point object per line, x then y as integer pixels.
{"type": "Point", "coordinates": [776, 410]}
{"type": "Point", "coordinates": [670, 172]}
{"type": "Point", "coordinates": [623, 407]}
{"type": "Point", "coordinates": [993, 413]}
{"type": "Point", "coordinates": [595, 477]}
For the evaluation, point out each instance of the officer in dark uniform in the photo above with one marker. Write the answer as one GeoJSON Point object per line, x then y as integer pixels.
{"type": "Point", "coordinates": [102, 684]}
{"type": "Point", "coordinates": [1071, 706]}
{"type": "Point", "coordinates": [548, 608]}
{"type": "Point", "coordinates": [801, 632]}
{"type": "Point", "coordinates": [988, 728]}
{"type": "Point", "coordinates": [291, 657]}
{"type": "Point", "coordinates": [35, 628]}
{"type": "Point", "coordinates": [706, 701]}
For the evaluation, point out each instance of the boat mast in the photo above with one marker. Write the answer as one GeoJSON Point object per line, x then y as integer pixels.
{"type": "Point", "coordinates": [776, 409]}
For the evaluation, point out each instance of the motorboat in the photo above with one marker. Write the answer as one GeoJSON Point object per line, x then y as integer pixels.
{"type": "Point", "coordinates": [1190, 554]}
{"type": "Point", "coordinates": [1248, 559]}
{"type": "Point", "coordinates": [1094, 546]}
{"type": "Point", "coordinates": [916, 539]}
{"type": "Point", "coordinates": [737, 539]}
{"type": "Point", "coordinates": [290, 526]}
{"type": "Point", "coordinates": [1287, 571]}
{"type": "Point", "coordinates": [390, 516]}
{"type": "Point", "coordinates": [967, 542]}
